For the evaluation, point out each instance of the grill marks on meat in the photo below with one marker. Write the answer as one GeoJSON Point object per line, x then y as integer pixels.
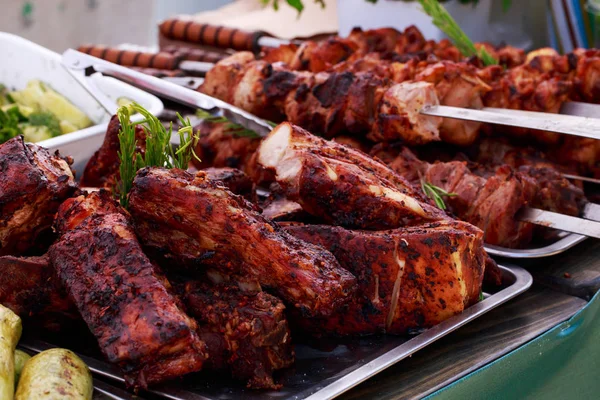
{"type": "Point", "coordinates": [490, 198]}
{"type": "Point", "coordinates": [219, 149]}
{"type": "Point", "coordinates": [102, 170]}
{"type": "Point", "coordinates": [235, 180]}
{"type": "Point", "coordinates": [33, 185]}
{"type": "Point", "coordinates": [340, 184]}
{"type": "Point", "coordinates": [246, 333]}
{"type": "Point", "coordinates": [408, 279]}
{"type": "Point", "coordinates": [329, 102]}
{"type": "Point", "coordinates": [137, 323]}
{"type": "Point", "coordinates": [196, 222]}
{"type": "Point", "coordinates": [32, 291]}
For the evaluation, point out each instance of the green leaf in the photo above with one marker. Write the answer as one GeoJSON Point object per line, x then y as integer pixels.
{"type": "Point", "coordinates": [297, 4]}
{"type": "Point", "coordinates": [506, 5]}
{"type": "Point", "coordinates": [444, 21]}
{"type": "Point", "coordinates": [481, 298]}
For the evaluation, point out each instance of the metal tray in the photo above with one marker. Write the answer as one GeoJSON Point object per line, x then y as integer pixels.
{"type": "Point", "coordinates": [563, 244]}
{"type": "Point", "coordinates": [328, 370]}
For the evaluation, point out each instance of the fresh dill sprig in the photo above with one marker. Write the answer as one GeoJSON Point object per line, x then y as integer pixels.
{"type": "Point", "coordinates": [435, 193]}
{"type": "Point", "coordinates": [231, 128]}
{"type": "Point", "coordinates": [127, 157]}
{"type": "Point", "coordinates": [159, 151]}
{"type": "Point", "coordinates": [444, 21]}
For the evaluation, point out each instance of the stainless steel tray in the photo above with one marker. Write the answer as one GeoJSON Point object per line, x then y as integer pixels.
{"type": "Point", "coordinates": [329, 370]}
{"type": "Point", "coordinates": [563, 244]}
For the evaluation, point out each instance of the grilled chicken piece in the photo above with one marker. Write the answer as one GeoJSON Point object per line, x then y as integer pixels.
{"type": "Point", "coordinates": [219, 149]}
{"type": "Point", "coordinates": [458, 86]}
{"type": "Point", "coordinates": [235, 180]}
{"type": "Point", "coordinates": [246, 333]}
{"type": "Point", "coordinates": [117, 291]}
{"type": "Point", "coordinates": [102, 170]}
{"type": "Point", "coordinates": [33, 185]}
{"type": "Point", "coordinates": [340, 184]}
{"type": "Point", "coordinates": [32, 291]}
{"type": "Point", "coordinates": [198, 223]}
{"type": "Point", "coordinates": [408, 278]}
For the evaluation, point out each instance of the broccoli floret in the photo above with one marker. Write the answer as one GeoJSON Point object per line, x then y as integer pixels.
{"type": "Point", "coordinates": [36, 134]}
{"type": "Point", "coordinates": [42, 118]}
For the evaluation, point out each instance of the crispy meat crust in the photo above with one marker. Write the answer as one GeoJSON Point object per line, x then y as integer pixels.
{"type": "Point", "coordinates": [137, 323]}
{"type": "Point", "coordinates": [198, 223]}
{"type": "Point", "coordinates": [34, 183]}
{"type": "Point", "coordinates": [246, 333]}
{"type": "Point", "coordinates": [408, 279]}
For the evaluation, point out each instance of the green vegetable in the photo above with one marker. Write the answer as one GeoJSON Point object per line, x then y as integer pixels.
{"type": "Point", "coordinates": [4, 99]}
{"type": "Point", "coordinates": [231, 128]}
{"type": "Point", "coordinates": [436, 193]}
{"type": "Point", "coordinates": [35, 134]}
{"type": "Point", "coordinates": [444, 21]}
{"type": "Point", "coordinates": [43, 118]}
{"type": "Point", "coordinates": [159, 150]}
{"type": "Point", "coordinates": [55, 374]}
{"type": "Point", "coordinates": [20, 359]}
{"type": "Point", "coordinates": [9, 124]}
{"type": "Point", "coordinates": [10, 333]}
{"type": "Point", "coordinates": [42, 97]}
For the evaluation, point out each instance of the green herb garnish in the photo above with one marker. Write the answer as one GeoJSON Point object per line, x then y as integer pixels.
{"type": "Point", "coordinates": [444, 21]}
{"type": "Point", "coordinates": [435, 193]}
{"type": "Point", "coordinates": [9, 124]}
{"type": "Point", "coordinates": [159, 150]}
{"type": "Point", "coordinates": [231, 128]}
{"type": "Point", "coordinates": [481, 298]}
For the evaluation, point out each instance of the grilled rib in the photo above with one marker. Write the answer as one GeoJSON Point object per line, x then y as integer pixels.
{"type": "Point", "coordinates": [246, 333]}
{"type": "Point", "coordinates": [340, 184]}
{"type": "Point", "coordinates": [33, 185]}
{"type": "Point", "coordinates": [197, 223]}
{"type": "Point", "coordinates": [32, 291]}
{"type": "Point", "coordinates": [117, 291]}
{"type": "Point", "coordinates": [102, 170]}
{"type": "Point", "coordinates": [409, 278]}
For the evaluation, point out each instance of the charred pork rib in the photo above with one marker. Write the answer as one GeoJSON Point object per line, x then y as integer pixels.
{"type": "Point", "coordinates": [235, 180]}
{"type": "Point", "coordinates": [246, 333]}
{"type": "Point", "coordinates": [102, 170]}
{"type": "Point", "coordinates": [339, 184]}
{"type": "Point", "coordinates": [197, 223]}
{"type": "Point", "coordinates": [408, 278]}
{"type": "Point", "coordinates": [33, 185]}
{"type": "Point", "coordinates": [32, 291]}
{"type": "Point", "coordinates": [137, 323]}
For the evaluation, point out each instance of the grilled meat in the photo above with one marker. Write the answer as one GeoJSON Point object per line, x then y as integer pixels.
{"type": "Point", "coordinates": [408, 278]}
{"type": "Point", "coordinates": [198, 223]}
{"type": "Point", "coordinates": [32, 291]}
{"type": "Point", "coordinates": [490, 198]}
{"type": "Point", "coordinates": [246, 333]}
{"type": "Point", "coordinates": [235, 180]}
{"type": "Point", "coordinates": [102, 170]}
{"type": "Point", "coordinates": [33, 185]}
{"type": "Point", "coordinates": [117, 291]}
{"type": "Point", "coordinates": [340, 184]}
{"type": "Point", "coordinates": [219, 149]}
{"type": "Point", "coordinates": [386, 42]}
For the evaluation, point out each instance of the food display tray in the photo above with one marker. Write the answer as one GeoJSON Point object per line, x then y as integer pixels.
{"type": "Point", "coordinates": [29, 61]}
{"type": "Point", "coordinates": [561, 245]}
{"type": "Point", "coordinates": [323, 369]}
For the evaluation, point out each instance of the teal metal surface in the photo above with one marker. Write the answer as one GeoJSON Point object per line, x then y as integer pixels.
{"type": "Point", "coordinates": [561, 364]}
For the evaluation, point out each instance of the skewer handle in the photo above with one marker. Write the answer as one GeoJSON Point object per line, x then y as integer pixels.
{"type": "Point", "coordinates": [191, 54]}
{"type": "Point", "coordinates": [211, 35]}
{"type": "Point", "coordinates": [130, 58]}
